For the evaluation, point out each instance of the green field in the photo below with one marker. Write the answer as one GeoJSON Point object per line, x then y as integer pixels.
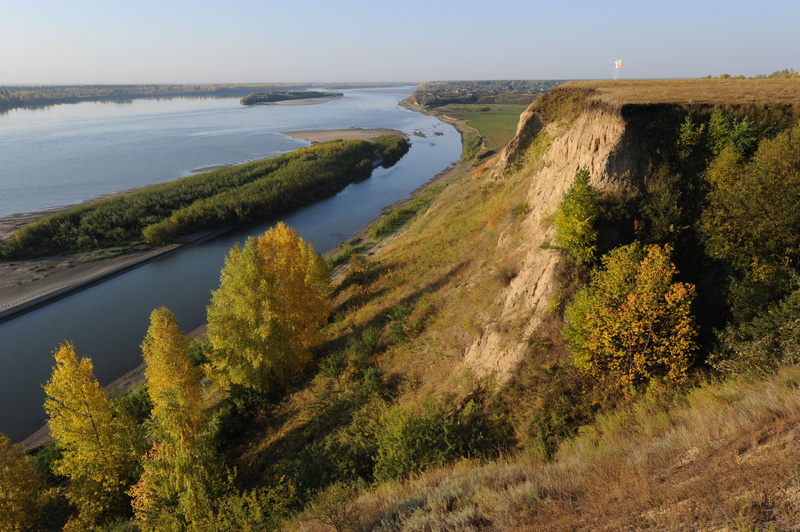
{"type": "Point", "coordinates": [496, 123]}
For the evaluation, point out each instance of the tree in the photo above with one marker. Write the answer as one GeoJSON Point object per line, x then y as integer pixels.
{"type": "Point", "coordinates": [100, 446]}
{"type": "Point", "coordinates": [268, 311]}
{"type": "Point", "coordinates": [633, 322]}
{"type": "Point", "coordinates": [575, 219]}
{"type": "Point", "coordinates": [182, 472]}
{"type": "Point", "coordinates": [22, 488]}
{"type": "Point", "coordinates": [752, 222]}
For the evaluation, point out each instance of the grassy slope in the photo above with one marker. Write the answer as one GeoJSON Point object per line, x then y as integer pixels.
{"type": "Point", "coordinates": [425, 269]}
{"type": "Point", "coordinates": [715, 458]}
{"type": "Point", "coordinates": [722, 458]}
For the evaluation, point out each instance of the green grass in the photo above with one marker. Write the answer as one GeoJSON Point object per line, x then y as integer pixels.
{"type": "Point", "coordinates": [497, 126]}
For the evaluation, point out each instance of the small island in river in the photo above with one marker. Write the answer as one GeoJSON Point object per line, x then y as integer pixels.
{"type": "Point", "coordinates": [282, 96]}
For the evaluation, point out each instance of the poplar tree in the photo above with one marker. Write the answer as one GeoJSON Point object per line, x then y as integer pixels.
{"type": "Point", "coordinates": [268, 311]}
{"type": "Point", "coordinates": [182, 472]}
{"type": "Point", "coordinates": [22, 488]}
{"type": "Point", "coordinates": [99, 446]}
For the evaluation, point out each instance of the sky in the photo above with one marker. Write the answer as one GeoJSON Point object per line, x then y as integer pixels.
{"type": "Point", "coordinates": [257, 41]}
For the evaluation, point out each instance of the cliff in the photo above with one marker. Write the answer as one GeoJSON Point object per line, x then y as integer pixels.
{"type": "Point", "coordinates": [598, 138]}
{"type": "Point", "coordinates": [482, 281]}
{"type": "Point", "coordinates": [621, 132]}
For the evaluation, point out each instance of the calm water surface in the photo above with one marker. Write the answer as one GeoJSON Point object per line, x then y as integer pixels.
{"type": "Point", "coordinates": [68, 153]}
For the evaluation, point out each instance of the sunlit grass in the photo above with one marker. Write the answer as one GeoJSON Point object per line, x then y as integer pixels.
{"type": "Point", "coordinates": [714, 458]}
{"type": "Point", "coordinates": [694, 91]}
{"type": "Point", "coordinates": [496, 123]}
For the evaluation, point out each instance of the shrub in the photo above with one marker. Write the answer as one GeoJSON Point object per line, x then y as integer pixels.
{"type": "Point", "coordinates": [411, 441]}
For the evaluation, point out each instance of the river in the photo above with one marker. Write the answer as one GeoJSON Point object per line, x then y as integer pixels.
{"type": "Point", "coordinates": [65, 154]}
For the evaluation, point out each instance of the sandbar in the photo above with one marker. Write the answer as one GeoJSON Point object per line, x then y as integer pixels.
{"type": "Point", "coordinates": [359, 133]}
{"type": "Point", "coordinates": [305, 101]}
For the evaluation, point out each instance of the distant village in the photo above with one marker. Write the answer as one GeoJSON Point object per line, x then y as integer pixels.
{"type": "Point", "coordinates": [436, 93]}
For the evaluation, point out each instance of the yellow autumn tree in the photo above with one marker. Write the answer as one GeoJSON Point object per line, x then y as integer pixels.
{"type": "Point", "coordinates": [633, 322]}
{"type": "Point", "coordinates": [22, 488]}
{"type": "Point", "coordinates": [182, 472]}
{"type": "Point", "coordinates": [268, 312]}
{"type": "Point", "coordinates": [100, 448]}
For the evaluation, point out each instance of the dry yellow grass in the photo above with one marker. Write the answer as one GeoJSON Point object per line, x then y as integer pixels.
{"type": "Point", "coordinates": [694, 91]}
{"type": "Point", "coordinates": [725, 458]}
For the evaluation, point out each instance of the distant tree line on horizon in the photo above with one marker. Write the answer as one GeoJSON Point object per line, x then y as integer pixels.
{"type": "Point", "coordinates": [212, 200]}
{"type": "Point", "coordinates": [16, 96]}
{"type": "Point", "coordinates": [786, 73]}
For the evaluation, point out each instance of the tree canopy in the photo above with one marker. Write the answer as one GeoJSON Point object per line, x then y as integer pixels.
{"type": "Point", "coordinates": [182, 472]}
{"type": "Point", "coordinates": [267, 314]}
{"type": "Point", "coordinates": [21, 488]}
{"type": "Point", "coordinates": [633, 322]}
{"type": "Point", "coordinates": [575, 219]}
{"type": "Point", "coordinates": [99, 445]}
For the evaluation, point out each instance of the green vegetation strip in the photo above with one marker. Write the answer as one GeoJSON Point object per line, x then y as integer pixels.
{"type": "Point", "coordinates": [225, 197]}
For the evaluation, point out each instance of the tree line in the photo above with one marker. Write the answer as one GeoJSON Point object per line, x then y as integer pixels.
{"type": "Point", "coordinates": [224, 197]}
{"type": "Point", "coordinates": [13, 96]}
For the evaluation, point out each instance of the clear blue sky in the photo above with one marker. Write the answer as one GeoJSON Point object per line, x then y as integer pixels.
{"type": "Point", "coordinates": [199, 41]}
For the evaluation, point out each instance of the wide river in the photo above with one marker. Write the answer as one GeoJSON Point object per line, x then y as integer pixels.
{"type": "Point", "coordinates": [68, 153]}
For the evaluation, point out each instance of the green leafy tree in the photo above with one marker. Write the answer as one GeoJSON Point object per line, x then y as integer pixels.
{"type": "Point", "coordinates": [183, 473]}
{"type": "Point", "coordinates": [22, 488]}
{"type": "Point", "coordinates": [633, 322]}
{"type": "Point", "coordinates": [752, 222]}
{"type": "Point", "coordinates": [100, 446]}
{"type": "Point", "coordinates": [575, 219]}
{"type": "Point", "coordinates": [268, 311]}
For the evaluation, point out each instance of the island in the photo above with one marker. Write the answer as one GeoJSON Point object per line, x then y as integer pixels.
{"type": "Point", "coordinates": [37, 266]}
{"type": "Point", "coordinates": [282, 96]}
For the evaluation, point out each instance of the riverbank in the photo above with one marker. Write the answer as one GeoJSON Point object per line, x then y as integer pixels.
{"type": "Point", "coordinates": [126, 381]}
{"type": "Point", "coordinates": [29, 284]}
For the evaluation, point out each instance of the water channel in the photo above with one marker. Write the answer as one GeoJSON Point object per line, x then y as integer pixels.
{"type": "Point", "coordinates": [108, 321]}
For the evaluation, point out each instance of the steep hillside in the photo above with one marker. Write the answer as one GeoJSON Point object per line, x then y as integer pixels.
{"type": "Point", "coordinates": [596, 329]}
{"type": "Point", "coordinates": [467, 303]}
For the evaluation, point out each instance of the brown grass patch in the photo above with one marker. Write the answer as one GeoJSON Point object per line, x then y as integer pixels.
{"type": "Point", "coordinates": [724, 457]}
{"type": "Point", "coordinates": [694, 91]}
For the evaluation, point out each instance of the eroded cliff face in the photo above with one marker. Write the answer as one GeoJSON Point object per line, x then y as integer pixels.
{"type": "Point", "coordinates": [599, 139]}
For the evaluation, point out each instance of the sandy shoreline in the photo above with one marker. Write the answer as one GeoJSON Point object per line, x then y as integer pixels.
{"type": "Point", "coordinates": [324, 135]}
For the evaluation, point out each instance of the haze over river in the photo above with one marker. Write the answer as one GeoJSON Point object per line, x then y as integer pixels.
{"type": "Point", "coordinates": [69, 153]}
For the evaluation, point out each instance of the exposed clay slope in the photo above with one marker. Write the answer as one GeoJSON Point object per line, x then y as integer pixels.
{"type": "Point", "coordinates": [599, 139]}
